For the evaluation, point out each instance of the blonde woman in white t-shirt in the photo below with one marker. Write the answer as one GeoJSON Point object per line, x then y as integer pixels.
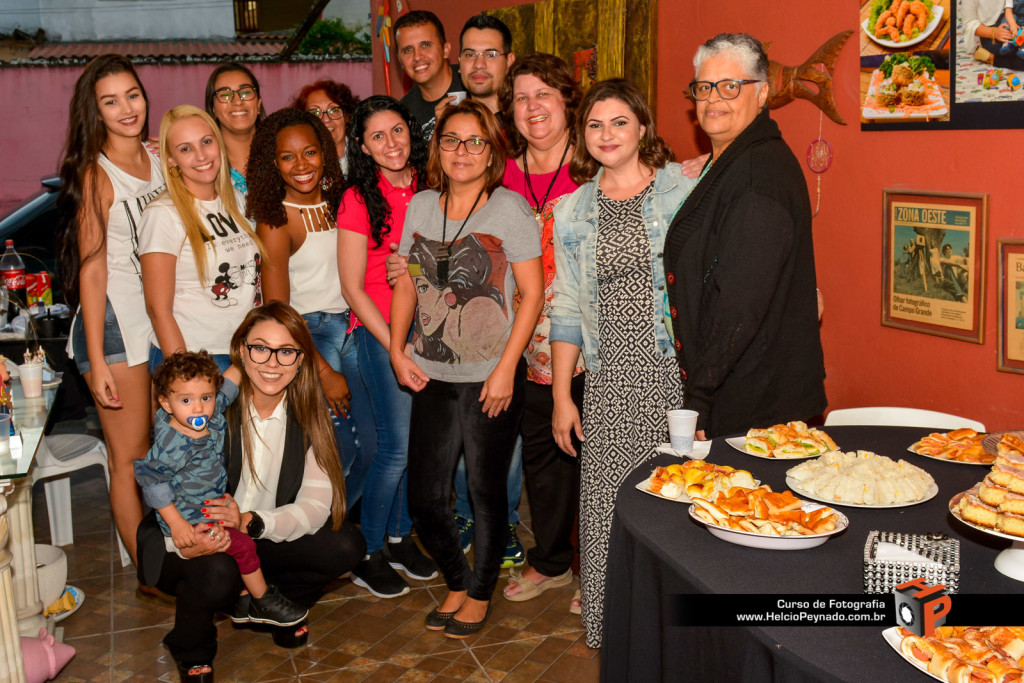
{"type": "Point", "coordinates": [200, 257]}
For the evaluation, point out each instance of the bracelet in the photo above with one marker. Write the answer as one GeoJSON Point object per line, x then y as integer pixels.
{"type": "Point", "coordinates": [993, 33]}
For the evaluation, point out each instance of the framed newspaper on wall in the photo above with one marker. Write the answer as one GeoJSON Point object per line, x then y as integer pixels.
{"type": "Point", "coordinates": [933, 263]}
{"type": "Point", "coordinates": [1011, 306]}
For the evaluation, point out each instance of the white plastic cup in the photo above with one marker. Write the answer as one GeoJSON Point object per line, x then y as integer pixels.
{"type": "Point", "coordinates": [682, 427]}
{"type": "Point", "coordinates": [31, 380]}
{"type": "Point", "coordinates": [459, 96]}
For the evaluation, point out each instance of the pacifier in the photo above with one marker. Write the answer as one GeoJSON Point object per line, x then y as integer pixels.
{"type": "Point", "coordinates": [197, 422]}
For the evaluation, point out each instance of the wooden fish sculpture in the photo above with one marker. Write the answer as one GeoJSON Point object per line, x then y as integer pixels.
{"type": "Point", "coordinates": [786, 83]}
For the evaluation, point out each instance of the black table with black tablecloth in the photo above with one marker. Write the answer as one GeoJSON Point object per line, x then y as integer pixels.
{"type": "Point", "coordinates": [658, 551]}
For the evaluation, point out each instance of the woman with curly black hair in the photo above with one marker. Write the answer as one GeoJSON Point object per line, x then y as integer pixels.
{"type": "Point", "coordinates": [333, 103]}
{"type": "Point", "coordinates": [295, 186]}
{"type": "Point", "coordinates": [387, 166]}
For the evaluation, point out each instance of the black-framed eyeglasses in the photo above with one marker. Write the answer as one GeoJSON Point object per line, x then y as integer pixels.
{"type": "Point", "coordinates": [468, 55]}
{"type": "Point", "coordinates": [260, 353]}
{"type": "Point", "coordinates": [450, 143]}
{"type": "Point", "coordinates": [728, 88]}
{"type": "Point", "coordinates": [334, 112]}
{"type": "Point", "coordinates": [245, 93]}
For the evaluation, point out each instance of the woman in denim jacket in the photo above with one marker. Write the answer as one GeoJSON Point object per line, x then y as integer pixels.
{"type": "Point", "coordinates": [610, 286]}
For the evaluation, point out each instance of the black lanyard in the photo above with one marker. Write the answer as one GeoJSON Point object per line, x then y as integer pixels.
{"type": "Point", "coordinates": [529, 185]}
{"type": "Point", "coordinates": [444, 252]}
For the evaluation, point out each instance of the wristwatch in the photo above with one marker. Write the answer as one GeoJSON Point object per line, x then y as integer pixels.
{"type": "Point", "coordinates": [256, 526]}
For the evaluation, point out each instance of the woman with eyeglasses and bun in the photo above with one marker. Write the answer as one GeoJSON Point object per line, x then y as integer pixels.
{"type": "Point", "coordinates": [333, 103]}
{"type": "Point", "coordinates": [233, 99]}
{"type": "Point", "coordinates": [108, 175]}
{"type": "Point", "coordinates": [470, 244]}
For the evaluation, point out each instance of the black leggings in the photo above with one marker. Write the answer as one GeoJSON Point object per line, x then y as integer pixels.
{"type": "Point", "coordinates": [447, 420]}
{"type": "Point", "coordinates": [210, 584]}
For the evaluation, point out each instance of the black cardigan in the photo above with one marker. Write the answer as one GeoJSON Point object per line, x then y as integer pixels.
{"type": "Point", "coordinates": [739, 263]}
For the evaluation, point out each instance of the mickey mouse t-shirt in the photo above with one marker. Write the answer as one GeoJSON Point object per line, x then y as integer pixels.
{"type": "Point", "coordinates": [207, 314]}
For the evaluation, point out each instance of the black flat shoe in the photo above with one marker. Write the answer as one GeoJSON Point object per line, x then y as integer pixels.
{"type": "Point", "coordinates": [185, 673]}
{"type": "Point", "coordinates": [464, 629]}
{"type": "Point", "coordinates": [284, 636]}
{"type": "Point", "coordinates": [437, 621]}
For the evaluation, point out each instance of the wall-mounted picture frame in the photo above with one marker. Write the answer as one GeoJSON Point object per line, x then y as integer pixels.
{"type": "Point", "coordinates": [933, 263]}
{"type": "Point", "coordinates": [1011, 306]}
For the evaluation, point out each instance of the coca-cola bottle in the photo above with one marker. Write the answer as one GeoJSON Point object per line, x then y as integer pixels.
{"type": "Point", "coordinates": [13, 269]}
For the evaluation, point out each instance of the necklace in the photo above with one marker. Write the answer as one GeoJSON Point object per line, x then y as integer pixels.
{"type": "Point", "coordinates": [444, 252]}
{"type": "Point", "coordinates": [315, 217]}
{"type": "Point", "coordinates": [539, 204]}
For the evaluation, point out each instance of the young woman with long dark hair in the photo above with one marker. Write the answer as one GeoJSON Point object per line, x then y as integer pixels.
{"type": "Point", "coordinates": [233, 99]}
{"type": "Point", "coordinates": [387, 166]}
{"type": "Point", "coordinates": [108, 175]}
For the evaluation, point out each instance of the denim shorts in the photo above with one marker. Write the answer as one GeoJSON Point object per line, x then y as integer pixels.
{"type": "Point", "coordinates": [113, 344]}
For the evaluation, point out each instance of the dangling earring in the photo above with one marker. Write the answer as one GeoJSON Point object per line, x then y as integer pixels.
{"type": "Point", "coordinates": [325, 183]}
{"type": "Point", "coordinates": [174, 171]}
{"type": "Point", "coordinates": [643, 144]}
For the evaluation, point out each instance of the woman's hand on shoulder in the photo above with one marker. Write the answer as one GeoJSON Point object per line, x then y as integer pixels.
{"type": "Point", "coordinates": [102, 386]}
{"type": "Point", "coordinates": [692, 167]}
{"type": "Point", "coordinates": [396, 265]}
{"type": "Point", "coordinates": [206, 540]}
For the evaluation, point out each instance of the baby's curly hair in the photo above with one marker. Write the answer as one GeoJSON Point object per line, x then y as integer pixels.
{"type": "Point", "coordinates": [185, 366]}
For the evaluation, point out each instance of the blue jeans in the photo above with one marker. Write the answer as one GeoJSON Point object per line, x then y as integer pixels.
{"type": "Point", "coordinates": [385, 510]}
{"type": "Point", "coordinates": [463, 506]}
{"type": "Point", "coordinates": [356, 434]}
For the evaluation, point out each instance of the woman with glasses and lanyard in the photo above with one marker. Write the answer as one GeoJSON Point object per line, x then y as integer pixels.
{"type": "Point", "coordinates": [609, 302]}
{"type": "Point", "coordinates": [287, 493]}
{"type": "Point", "coordinates": [296, 185]}
{"type": "Point", "coordinates": [332, 103]}
{"type": "Point", "coordinates": [470, 244]}
{"type": "Point", "coordinates": [739, 258]}
{"type": "Point", "coordinates": [233, 100]}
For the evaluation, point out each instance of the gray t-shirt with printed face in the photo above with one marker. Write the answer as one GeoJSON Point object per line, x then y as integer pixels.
{"type": "Point", "coordinates": [463, 322]}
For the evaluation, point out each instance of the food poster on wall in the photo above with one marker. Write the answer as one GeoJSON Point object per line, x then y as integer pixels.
{"type": "Point", "coordinates": [934, 263]}
{"type": "Point", "coordinates": [922, 69]}
{"type": "Point", "coordinates": [1014, 349]}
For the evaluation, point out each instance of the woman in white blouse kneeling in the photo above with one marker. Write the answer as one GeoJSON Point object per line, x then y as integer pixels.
{"type": "Point", "coordinates": [287, 492]}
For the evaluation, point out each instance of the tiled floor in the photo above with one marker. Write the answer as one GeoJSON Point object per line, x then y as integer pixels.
{"type": "Point", "coordinates": [354, 636]}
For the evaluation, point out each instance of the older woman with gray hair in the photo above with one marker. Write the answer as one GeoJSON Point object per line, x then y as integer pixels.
{"type": "Point", "coordinates": [739, 259]}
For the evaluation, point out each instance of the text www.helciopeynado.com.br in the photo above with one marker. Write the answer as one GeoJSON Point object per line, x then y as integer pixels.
{"type": "Point", "coordinates": [792, 610]}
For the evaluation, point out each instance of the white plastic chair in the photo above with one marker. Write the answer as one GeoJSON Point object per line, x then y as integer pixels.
{"type": "Point", "coordinates": [901, 417]}
{"type": "Point", "coordinates": [57, 457]}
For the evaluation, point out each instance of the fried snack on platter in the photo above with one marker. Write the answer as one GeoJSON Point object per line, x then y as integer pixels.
{"type": "Point", "coordinates": [970, 654]}
{"type": "Point", "coordinates": [1011, 444]}
{"type": "Point", "coordinates": [698, 479]}
{"type": "Point", "coordinates": [861, 478]}
{"type": "Point", "coordinates": [791, 440]}
{"type": "Point", "coordinates": [962, 445]}
{"type": "Point", "coordinates": [763, 511]}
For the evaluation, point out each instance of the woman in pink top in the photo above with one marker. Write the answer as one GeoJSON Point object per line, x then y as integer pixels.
{"type": "Point", "coordinates": [387, 166]}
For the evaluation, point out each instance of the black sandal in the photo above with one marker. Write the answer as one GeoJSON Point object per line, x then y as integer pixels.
{"type": "Point", "coordinates": [288, 636]}
{"type": "Point", "coordinates": [437, 620]}
{"type": "Point", "coordinates": [193, 673]}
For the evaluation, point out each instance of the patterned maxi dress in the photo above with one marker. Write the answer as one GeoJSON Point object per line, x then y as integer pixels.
{"type": "Point", "coordinates": [624, 402]}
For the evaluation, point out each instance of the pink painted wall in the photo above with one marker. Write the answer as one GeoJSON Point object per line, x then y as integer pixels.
{"type": "Point", "coordinates": [34, 108]}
